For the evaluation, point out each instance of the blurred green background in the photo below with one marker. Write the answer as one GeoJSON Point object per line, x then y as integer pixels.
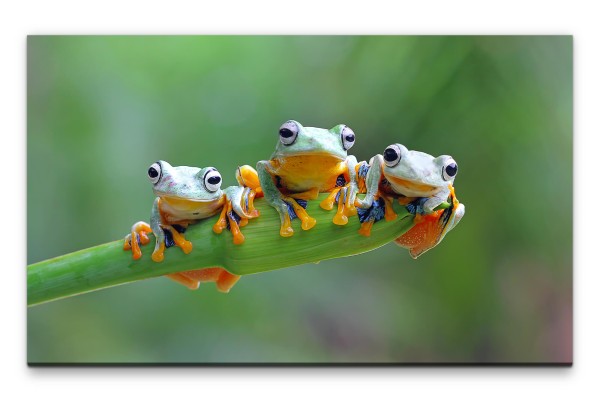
{"type": "Point", "coordinates": [497, 289]}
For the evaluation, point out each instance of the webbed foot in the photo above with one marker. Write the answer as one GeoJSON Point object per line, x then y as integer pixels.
{"type": "Point", "coordinates": [238, 209]}
{"type": "Point", "coordinates": [137, 237]}
{"type": "Point", "coordinates": [430, 229]}
{"type": "Point", "coordinates": [381, 208]}
{"type": "Point", "coordinates": [172, 235]}
{"type": "Point", "coordinates": [192, 278]}
{"type": "Point", "coordinates": [299, 210]}
{"type": "Point", "coordinates": [345, 197]}
{"type": "Point", "coordinates": [227, 219]}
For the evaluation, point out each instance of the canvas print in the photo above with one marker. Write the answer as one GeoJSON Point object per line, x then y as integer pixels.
{"type": "Point", "coordinates": [299, 200]}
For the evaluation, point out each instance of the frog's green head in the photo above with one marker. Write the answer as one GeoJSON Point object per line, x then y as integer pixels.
{"type": "Point", "coordinates": [296, 140]}
{"type": "Point", "coordinates": [185, 183]}
{"type": "Point", "coordinates": [416, 173]}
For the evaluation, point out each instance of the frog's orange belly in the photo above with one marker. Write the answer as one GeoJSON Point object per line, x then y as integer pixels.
{"type": "Point", "coordinates": [176, 209]}
{"type": "Point", "coordinates": [302, 173]}
{"type": "Point", "coordinates": [411, 188]}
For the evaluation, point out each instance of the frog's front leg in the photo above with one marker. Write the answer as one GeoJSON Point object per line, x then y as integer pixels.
{"type": "Point", "coordinates": [236, 212]}
{"type": "Point", "coordinates": [435, 200]}
{"type": "Point", "coordinates": [372, 180]}
{"type": "Point", "coordinates": [430, 229]}
{"type": "Point", "coordinates": [137, 237]}
{"type": "Point", "coordinates": [375, 205]}
{"type": "Point", "coordinates": [163, 240]}
{"type": "Point", "coordinates": [344, 195]}
{"type": "Point", "coordinates": [284, 204]}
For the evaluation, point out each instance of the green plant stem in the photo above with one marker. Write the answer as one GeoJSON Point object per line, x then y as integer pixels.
{"type": "Point", "coordinates": [108, 265]}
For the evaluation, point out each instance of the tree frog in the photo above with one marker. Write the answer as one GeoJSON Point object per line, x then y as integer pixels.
{"type": "Point", "coordinates": [184, 196]}
{"type": "Point", "coordinates": [307, 161]}
{"type": "Point", "coordinates": [408, 176]}
{"type": "Point", "coordinates": [430, 229]}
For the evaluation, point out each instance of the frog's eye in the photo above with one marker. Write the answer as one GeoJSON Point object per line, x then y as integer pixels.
{"type": "Point", "coordinates": [212, 180]}
{"type": "Point", "coordinates": [449, 170]}
{"type": "Point", "coordinates": [347, 138]}
{"type": "Point", "coordinates": [288, 133]}
{"type": "Point", "coordinates": [392, 155]}
{"type": "Point", "coordinates": [154, 172]}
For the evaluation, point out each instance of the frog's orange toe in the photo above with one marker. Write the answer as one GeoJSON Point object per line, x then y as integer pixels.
{"type": "Point", "coordinates": [389, 213]}
{"type": "Point", "coordinates": [351, 210]}
{"type": "Point", "coordinates": [286, 229]}
{"type": "Point", "coordinates": [144, 240]}
{"type": "Point", "coordinates": [328, 202]}
{"type": "Point", "coordinates": [185, 280]}
{"type": "Point", "coordinates": [340, 219]}
{"type": "Point", "coordinates": [192, 278]}
{"type": "Point", "coordinates": [136, 253]}
{"type": "Point", "coordinates": [239, 239]}
{"type": "Point", "coordinates": [308, 223]}
{"type": "Point", "coordinates": [137, 237]}
{"type": "Point", "coordinates": [365, 228]}
{"type": "Point", "coordinates": [221, 222]}
{"type": "Point", "coordinates": [226, 281]}
{"type": "Point", "coordinates": [159, 253]}
{"type": "Point", "coordinates": [186, 247]}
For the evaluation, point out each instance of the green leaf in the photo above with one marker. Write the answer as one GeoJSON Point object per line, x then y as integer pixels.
{"type": "Point", "coordinates": [108, 265]}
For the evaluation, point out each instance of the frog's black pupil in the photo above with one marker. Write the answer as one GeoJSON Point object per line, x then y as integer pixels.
{"type": "Point", "coordinates": [390, 155]}
{"type": "Point", "coordinates": [214, 180]}
{"type": "Point", "coordinates": [152, 173]}
{"type": "Point", "coordinates": [350, 138]}
{"type": "Point", "coordinates": [286, 133]}
{"type": "Point", "coordinates": [451, 169]}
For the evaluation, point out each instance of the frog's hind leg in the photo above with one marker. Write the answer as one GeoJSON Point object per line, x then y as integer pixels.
{"type": "Point", "coordinates": [183, 279]}
{"type": "Point", "coordinates": [373, 214]}
{"type": "Point", "coordinates": [192, 278]}
{"type": "Point", "coordinates": [137, 237]}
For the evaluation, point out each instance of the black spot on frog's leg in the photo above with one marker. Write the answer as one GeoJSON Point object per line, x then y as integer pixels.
{"type": "Point", "coordinates": [178, 228]}
{"type": "Point", "coordinates": [278, 181]}
{"type": "Point", "coordinates": [363, 169]}
{"type": "Point", "coordinates": [340, 181]}
{"type": "Point", "coordinates": [416, 206]}
{"type": "Point", "coordinates": [168, 238]}
{"type": "Point", "coordinates": [374, 213]}
{"type": "Point", "coordinates": [447, 213]}
{"type": "Point", "coordinates": [234, 216]}
{"type": "Point", "coordinates": [302, 202]}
